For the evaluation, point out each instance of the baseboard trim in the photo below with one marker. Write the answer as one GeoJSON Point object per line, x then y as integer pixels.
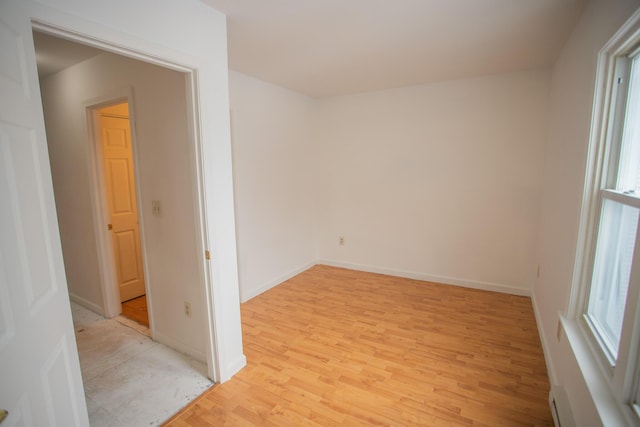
{"type": "Point", "coordinates": [247, 295]}
{"type": "Point", "coordinates": [233, 368]}
{"type": "Point", "coordinates": [553, 378]}
{"type": "Point", "coordinates": [86, 304]}
{"type": "Point", "coordinates": [473, 284]}
{"type": "Point", "coordinates": [180, 347]}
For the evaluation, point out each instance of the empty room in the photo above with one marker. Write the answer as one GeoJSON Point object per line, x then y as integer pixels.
{"type": "Point", "coordinates": [400, 213]}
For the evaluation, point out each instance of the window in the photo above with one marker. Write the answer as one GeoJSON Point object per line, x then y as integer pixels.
{"type": "Point", "coordinates": [611, 272]}
{"type": "Point", "coordinates": [619, 199]}
{"type": "Point", "coordinates": [609, 276]}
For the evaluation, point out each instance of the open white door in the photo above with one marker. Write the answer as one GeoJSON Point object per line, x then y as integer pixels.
{"type": "Point", "coordinates": [39, 368]}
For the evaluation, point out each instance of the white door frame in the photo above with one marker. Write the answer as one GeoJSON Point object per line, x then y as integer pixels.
{"type": "Point", "coordinates": [107, 263]}
{"type": "Point", "coordinates": [106, 257]}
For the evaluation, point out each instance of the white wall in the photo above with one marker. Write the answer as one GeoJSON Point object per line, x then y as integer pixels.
{"type": "Point", "coordinates": [273, 160]}
{"type": "Point", "coordinates": [164, 174]}
{"type": "Point", "coordinates": [572, 90]}
{"type": "Point", "coordinates": [437, 182]}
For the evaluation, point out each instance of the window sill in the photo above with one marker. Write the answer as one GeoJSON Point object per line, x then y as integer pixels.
{"type": "Point", "coordinates": [610, 412]}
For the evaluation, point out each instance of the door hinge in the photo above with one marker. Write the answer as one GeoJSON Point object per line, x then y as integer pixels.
{"type": "Point", "coordinates": [109, 226]}
{"type": "Point", "coordinates": [207, 255]}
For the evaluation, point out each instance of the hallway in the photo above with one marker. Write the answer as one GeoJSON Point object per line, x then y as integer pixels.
{"type": "Point", "coordinates": [128, 378]}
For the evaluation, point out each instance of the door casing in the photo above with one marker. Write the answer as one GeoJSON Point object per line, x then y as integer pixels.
{"type": "Point", "coordinates": [112, 306]}
{"type": "Point", "coordinates": [106, 255]}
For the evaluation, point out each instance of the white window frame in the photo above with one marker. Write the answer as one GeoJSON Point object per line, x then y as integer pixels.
{"type": "Point", "coordinates": [622, 375]}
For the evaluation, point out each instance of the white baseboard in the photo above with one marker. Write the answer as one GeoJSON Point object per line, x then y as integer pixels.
{"type": "Point", "coordinates": [473, 284]}
{"type": "Point", "coordinates": [87, 304]}
{"type": "Point", "coordinates": [233, 368]}
{"type": "Point", "coordinates": [180, 347]}
{"type": "Point", "coordinates": [551, 372]}
{"type": "Point", "coordinates": [247, 295]}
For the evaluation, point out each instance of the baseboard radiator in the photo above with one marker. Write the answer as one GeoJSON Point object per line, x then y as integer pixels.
{"type": "Point", "coordinates": [560, 407]}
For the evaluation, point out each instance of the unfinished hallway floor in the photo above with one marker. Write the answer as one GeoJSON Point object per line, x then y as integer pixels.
{"type": "Point", "coordinates": [130, 380]}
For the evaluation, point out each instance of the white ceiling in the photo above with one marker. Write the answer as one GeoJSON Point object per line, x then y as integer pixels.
{"type": "Point", "coordinates": [54, 54]}
{"type": "Point", "coordinates": [332, 47]}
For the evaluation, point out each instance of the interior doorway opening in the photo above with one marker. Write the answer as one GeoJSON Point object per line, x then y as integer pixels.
{"type": "Point", "coordinates": [158, 178]}
{"type": "Point", "coordinates": [162, 172]}
{"type": "Point", "coordinates": [168, 266]}
{"type": "Point", "coordinates": [114, 143]}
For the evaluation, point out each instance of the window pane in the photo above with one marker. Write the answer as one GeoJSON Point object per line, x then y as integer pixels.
{"type": "Point", "coordinates": [636, 402]}
{"type": "Point", "coordinates": [629, 163]}
{"type": "Point", "coordinates": [611, 271]}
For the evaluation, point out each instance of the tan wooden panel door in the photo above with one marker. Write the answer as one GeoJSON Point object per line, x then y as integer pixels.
{"type": "Point", "coordinates": [40, 382]}
{"type": "Point", "coordinates": [121, 193]}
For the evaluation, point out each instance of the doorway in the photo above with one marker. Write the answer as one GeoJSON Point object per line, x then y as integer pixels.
{"type": "Point", "coordinates": [168, 195]}
{"type": "Point", "coordinates": [158, 252]}
{"type": "Point", "coordinates": [116, 147]}
{"type": "Point", "coordinates": [200, 56]}
{"type": "Point", "coordinates": [51, 375]}
{"type": "Point", "coordinates": [119, 246]}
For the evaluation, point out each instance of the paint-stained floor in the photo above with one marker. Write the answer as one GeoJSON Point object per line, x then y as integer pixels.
{"type": "Point", "coordinates": [128, 378]}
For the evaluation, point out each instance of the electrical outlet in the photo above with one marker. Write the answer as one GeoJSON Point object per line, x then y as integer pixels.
{"type": "Point", "coordinates": [341, 241]}
{"type": "Point", "coordinates": [156, 209]}
{"type": "Point", "coordinates": [187, 309]}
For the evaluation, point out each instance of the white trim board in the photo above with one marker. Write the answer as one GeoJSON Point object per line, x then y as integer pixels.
{"type": "Point", "coordinates": [473, 284]}
{"type": "Point", "coordinates": [544, 341]}
{"type": "Point", "coordinates": [87, 304]}
{"type": "Point", "coordinates": [246, 296]}
{"type": "Point", "coordinates": [199, 355]}
{"type": "Point", "coordinates": [239, 363]}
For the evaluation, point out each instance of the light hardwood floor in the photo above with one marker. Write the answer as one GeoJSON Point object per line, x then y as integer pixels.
{"type": "Point", "coordinates": [340, 347]}
{"type": "Point", "coordinates": [136, 310]}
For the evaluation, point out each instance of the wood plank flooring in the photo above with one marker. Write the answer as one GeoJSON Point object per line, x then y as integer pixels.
{"type": "Point", "coordinates": [338, 347]}
{"type": "Point", "coordinates": [136, 310]}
